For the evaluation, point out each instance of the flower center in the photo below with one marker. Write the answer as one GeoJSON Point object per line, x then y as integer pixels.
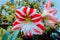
{"type": "Point", "coordinates": [28, 19]}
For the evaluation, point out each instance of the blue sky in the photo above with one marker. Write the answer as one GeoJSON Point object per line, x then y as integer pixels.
{"type": "Point", "coordinates": [57, 6]}
{"type": "Point", "coordinates": [56, 2]}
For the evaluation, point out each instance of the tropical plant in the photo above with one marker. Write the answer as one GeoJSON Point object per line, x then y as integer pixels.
{"type": "Point", "coordinates": [7, 11]}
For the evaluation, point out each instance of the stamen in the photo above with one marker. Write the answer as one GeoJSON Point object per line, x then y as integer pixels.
{"type": "Point", "coordinates": [28, 19]}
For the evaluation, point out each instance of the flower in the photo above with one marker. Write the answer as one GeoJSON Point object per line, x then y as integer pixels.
{"type": "Point", "coordinates": [49, 14]}
{"type": "Point", "coordinates": [29, 21]}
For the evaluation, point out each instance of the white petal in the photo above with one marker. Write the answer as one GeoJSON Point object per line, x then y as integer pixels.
{"type": "Point", "coordinates": [19, 16]}
{"type": "Point", "coordinates": [36, 18]}
{"type": "Point", "coordinates": [28, 10]}
{"type": "Point", "coordinates": [29, 28]}
{"type": "Point", "coordinates": [34, 12]}
{"type": "Point", "coordinates": [34, 26]}
{"type": "Point", "coordinates": [18, 26]}
{"type": "Point", "coordinates": [21, 12]}
{"type": "Point", "coordinates": [45, 12]}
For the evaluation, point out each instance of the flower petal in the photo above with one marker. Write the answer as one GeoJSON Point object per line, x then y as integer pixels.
{"type": "Point", "coordinates": [36, 17]}
{"type": "Point", "coordinates": [28, 10]}
{"type": "Point", "coordinates": [24, 9]}
{"type": "Point", "coordinates": [18, 26]}
{"type": "Point", "coordinates": [53, 11]}
{"type": "Point", "coordinates": [47, 5]}
{"type": "Point", "coordinates": [37, 30]}
{"type": "Point", "coordinates": [20, 15]}
{"type": "Point", "coordinates": [29, 29]}
{"type": "Point", "coordinates": [50, 23]}
{"type": "Point", "coordinates": [20, 12]}
{"type": "Point", "coordinates": [51, 17]}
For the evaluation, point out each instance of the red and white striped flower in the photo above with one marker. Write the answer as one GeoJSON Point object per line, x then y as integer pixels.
{"type": "Point", "coordinates": [49, 14]}
{"type": "Point", "coordinates": [29, 21]}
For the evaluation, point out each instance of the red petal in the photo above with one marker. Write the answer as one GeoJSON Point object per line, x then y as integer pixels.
{"type": "Point", "coordinates": [40, 26]}
{"type": "Point", "coordinates": [37, 19]}
{"type": "Point", "coordinates": [17, 11]}
{"type": "Point", "coordinates": [53, 12]}
{"type": "Point", "coordinates": [31, 11]}
{"type": "Point", "coordinates": [37, 31]}
{"type": "Point", "coordinates": [19, 18]}
{"type": "Point", "coordinates": [35, 15]}
{"type": "Point", "coordinates": [15, 23]}
{"type": "Point", "coordinates": [24, 9]}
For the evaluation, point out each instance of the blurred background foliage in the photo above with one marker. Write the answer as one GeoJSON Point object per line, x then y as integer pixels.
{"type": "Point", "coordinates": [7, 16]}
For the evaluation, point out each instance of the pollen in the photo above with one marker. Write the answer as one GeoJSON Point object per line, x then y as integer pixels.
{"type": "Point", "coordinates": [28, 19]}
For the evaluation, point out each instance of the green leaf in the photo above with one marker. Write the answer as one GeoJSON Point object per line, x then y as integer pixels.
{"type": "Point", "coordinates": [14, 35]}
{"type": "Point", "coordinates": [52, 4]}
{"type": "Point", "coordinates": [5, 36]}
